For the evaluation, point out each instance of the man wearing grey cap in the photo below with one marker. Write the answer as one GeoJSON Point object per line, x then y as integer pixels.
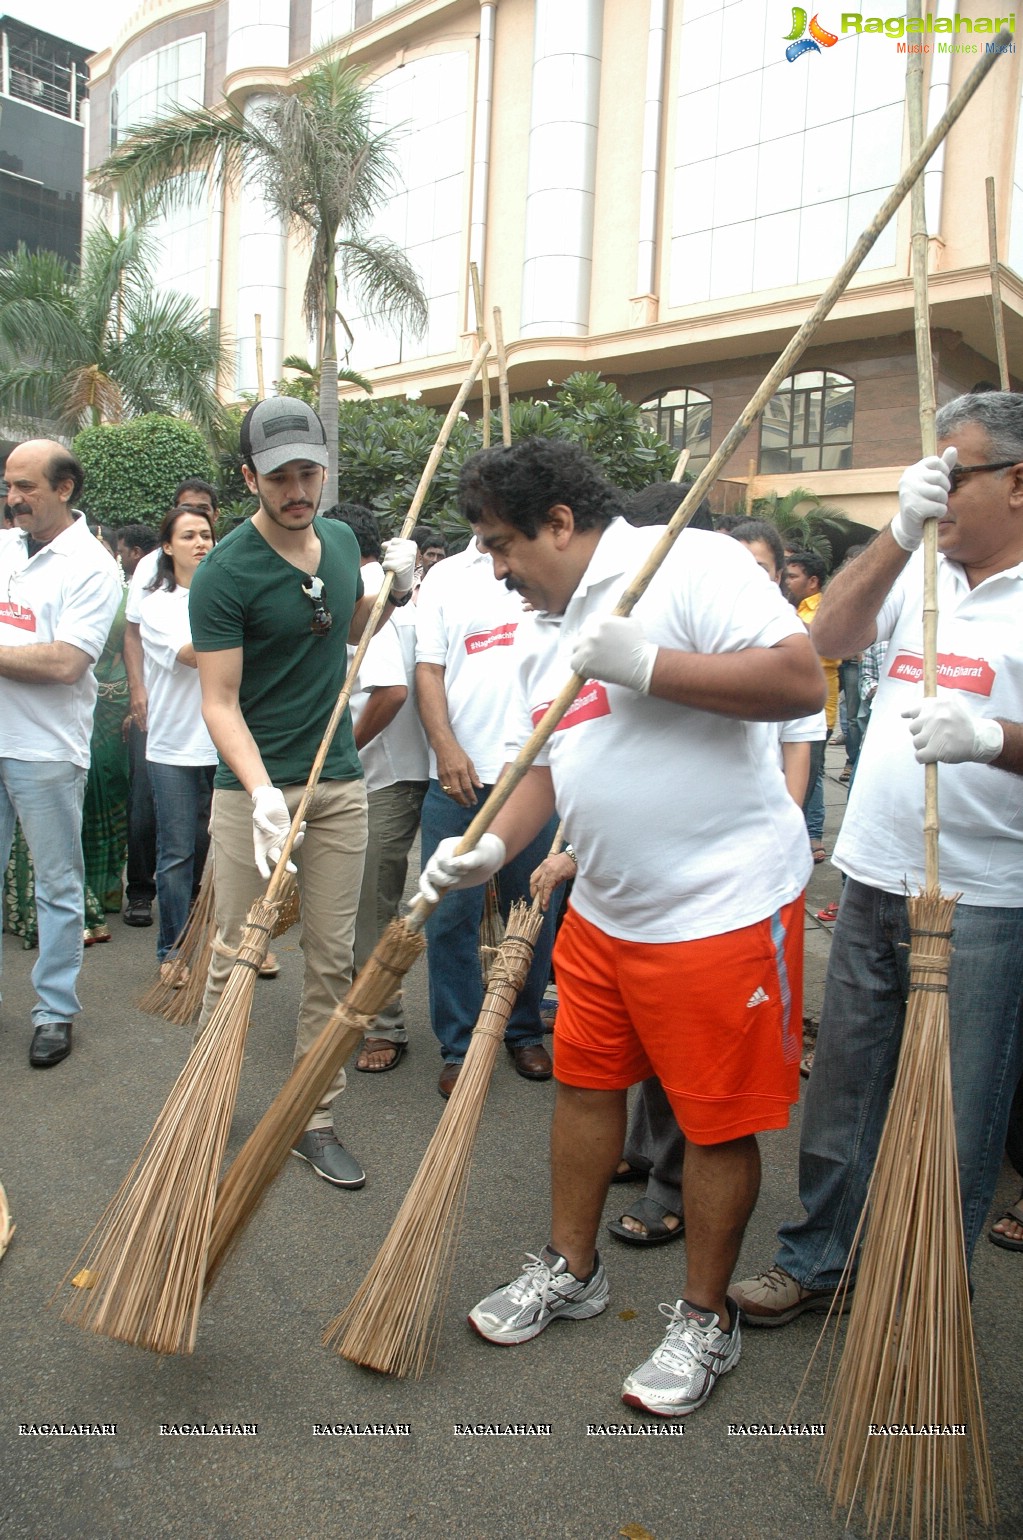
{"type": "Point", "coordinates": [272, 608]}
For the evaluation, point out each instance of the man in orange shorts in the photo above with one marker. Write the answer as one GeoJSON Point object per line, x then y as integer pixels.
{"type": "Point", "coordinates": [681, 954]}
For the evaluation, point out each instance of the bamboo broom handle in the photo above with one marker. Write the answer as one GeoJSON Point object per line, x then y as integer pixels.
{"type": "Point", "coordinates": [680, 466]}
{"type": "Point", "coordinates": [280, 874]}
{"type": "Point", "coordinates": [481, 337]}
{"type": "Point", "coordinates": [502, 377]}
{"type": "Point", "coordinates": [422, 908]}
{"type": "Point", "coordinates": [925, 388]}
{"type": "Point", "coordinates": [996, 287]}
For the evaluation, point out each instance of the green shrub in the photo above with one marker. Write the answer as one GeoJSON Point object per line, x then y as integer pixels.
{"type": "Point", "coordinates": [132, 468]}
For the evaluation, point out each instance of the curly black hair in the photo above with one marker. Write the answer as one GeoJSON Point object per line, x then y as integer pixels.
{"type": "Point", "coordinates": [520, 483]}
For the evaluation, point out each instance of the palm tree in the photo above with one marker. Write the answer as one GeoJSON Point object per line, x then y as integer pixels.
{"type": "Point", "coordinates": [93, 344]}
{"type": "Point", "coordinates": [307, 386]}
{"type": "Point", "coordinates": [322, 168]}
{"type": "Point", "coordinates": [811, 528]}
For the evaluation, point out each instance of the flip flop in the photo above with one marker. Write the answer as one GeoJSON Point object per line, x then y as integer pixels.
{"type": "Point", "coordinates": [1006, 1241]}
{"type": "Point", "coordinates": [651, 1215]}
{"type": "Point", "coordinates": [374, 1043]}
{"type": "Point", "coordinates": [268, 969]}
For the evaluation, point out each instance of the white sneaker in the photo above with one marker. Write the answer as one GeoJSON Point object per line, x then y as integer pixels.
{"type": "Point", "coordinates": [682, 1372]}
{"type": "Point", "coordinates": [520, 1310]}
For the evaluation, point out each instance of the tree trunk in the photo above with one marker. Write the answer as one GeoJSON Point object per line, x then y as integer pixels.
{"type": "Point", "coordinates": [328, 379]}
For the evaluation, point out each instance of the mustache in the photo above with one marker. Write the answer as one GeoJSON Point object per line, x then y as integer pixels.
{"type": "Point", "coordinates": [20, 507]}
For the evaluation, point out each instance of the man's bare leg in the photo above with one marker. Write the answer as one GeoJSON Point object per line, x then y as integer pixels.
{"type": "Point", "coordinates": [720, 1183]}
{"type": "Point", "coordinates": [586, 1144]}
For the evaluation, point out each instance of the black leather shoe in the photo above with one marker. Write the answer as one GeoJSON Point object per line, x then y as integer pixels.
{"type": "Point", "coordinates": [50, 1043]}
{"type": "Point", "coordinates": [139, 912]}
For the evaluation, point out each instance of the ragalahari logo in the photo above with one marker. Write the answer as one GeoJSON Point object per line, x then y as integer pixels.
{"type": "Point", "coordinates": [799, 43]}
{"type": "Point", "coordinates": [939, 34]}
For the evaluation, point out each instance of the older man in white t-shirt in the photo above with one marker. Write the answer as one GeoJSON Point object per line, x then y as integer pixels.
{"type": "Point", "coordinates": [60, 592]}
{"type": "Point", "coordinates": [974, 489]}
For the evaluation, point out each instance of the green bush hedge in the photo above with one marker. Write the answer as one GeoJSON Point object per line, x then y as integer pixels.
{"type": "Point", "coordinates": [132, 468]}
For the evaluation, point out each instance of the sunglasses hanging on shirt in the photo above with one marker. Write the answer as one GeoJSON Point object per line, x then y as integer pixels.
{"type": "Point", "coordinates": [315, 592]}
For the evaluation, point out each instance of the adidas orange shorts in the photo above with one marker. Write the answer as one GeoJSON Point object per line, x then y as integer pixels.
{"type": "Point", "coordinates": [719, 1020]}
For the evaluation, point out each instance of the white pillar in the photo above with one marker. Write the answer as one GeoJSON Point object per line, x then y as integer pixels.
{"type": "Point", "coordinates": [262, 249]}
{"type": "Point", "coordinates": [558, 248]}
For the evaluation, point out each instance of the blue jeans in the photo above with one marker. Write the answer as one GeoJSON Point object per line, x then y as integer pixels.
{"type": "Point", "coordinates": [182, 796]}
{"type": "Point", "coordinates": [47, 795]}
{"type": "Point", "coordinates": [813, 801]}
{"type": "Point", "coordinates": [856, 1058]}
{"type": "Point", "coordinates": [140, 884]}
{"type": "Point", "coordinates": [452, 935]}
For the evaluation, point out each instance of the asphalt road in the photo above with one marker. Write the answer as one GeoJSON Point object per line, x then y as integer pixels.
{"type": "Point", "coordinates": [70, 1134]}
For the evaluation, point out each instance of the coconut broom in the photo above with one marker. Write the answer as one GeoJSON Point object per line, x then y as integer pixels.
{"type": "Point", "coordinates": [909, 1352]}
{"type": "Point", "coordinates": [264, 1151]}
{"type": "Point", "coordinates": [392, 1322]}
{"type": "Point", "coordinates": [145, 1264]}
{"type": "Point", "coordinates": [177, 991]}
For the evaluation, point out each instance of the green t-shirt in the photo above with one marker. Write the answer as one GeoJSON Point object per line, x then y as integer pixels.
{"type": "Point", "coordinates": [245, 595]}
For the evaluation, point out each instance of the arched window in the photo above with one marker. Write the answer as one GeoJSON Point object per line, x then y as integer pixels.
{"type": "Point", "coordinates": [682, 418]}
{"type": "Point", "coordinates": [808, 424]}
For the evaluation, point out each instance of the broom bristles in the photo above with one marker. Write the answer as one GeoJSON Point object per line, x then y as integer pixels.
{"type": "Point", "coordinates": [143, 1267]}
{"type": "Point", "coordinates": [191, 958]}
{"type": "Point", "coordinates": [266, 1149]}
{"type": "Point", "coordinates": [909, 1356]}
{"type": "Point", "coordinates": [392, 1323]}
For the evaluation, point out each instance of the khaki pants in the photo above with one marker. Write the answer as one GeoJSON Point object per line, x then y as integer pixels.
{"type": "Point", "coordinates": [329, 862]}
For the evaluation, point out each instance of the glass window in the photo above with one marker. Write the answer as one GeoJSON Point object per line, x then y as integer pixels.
{"type": "Point", "coordinates": [682, 418]}
{"type": "Point", "coordinates": [808, 424]}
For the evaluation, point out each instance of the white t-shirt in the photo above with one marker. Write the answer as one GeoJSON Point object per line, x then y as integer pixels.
{"type": "Point", "coordinates": [67, 592]}
{"type": "Point", "coordinates": [680, 819]}
{"type": "Point", "coordinates": [140, 580]}
{"type": "Point", "coordinates": [980, 655]}
{"type": "Point", "coordinates": [399, 752]}
{"type": "Point", "coordinates": [466, 619]}
{"type": "Point", "coordinates": [177, 734]}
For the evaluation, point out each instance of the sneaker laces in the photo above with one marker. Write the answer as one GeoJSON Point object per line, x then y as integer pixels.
{"type": "Point", "coordinates": [775, 1279]}
{"type": "Point", "coordinates": [686, 1337]}
{"type": "Point", "coordinates": [535, 1283]}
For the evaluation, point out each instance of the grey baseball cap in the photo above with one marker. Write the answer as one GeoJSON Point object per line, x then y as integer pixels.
{"type": "Point", "coordinates": [281, 429]}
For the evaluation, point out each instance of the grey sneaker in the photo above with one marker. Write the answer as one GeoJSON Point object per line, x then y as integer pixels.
{"type": "Point", "coordinates": [329, 1158]}
{"type": "Point", "coordinates": [520, 1310]}
{"type": "Point", "coordinates": [682, 1372]}
{"type": "Point", "coordinates": [775, 1298]}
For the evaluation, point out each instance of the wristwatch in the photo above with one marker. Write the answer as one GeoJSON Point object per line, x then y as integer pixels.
{"type": "Point", "coordinates": [400, 600]}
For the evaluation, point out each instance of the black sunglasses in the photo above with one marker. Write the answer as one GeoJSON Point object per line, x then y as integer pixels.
{"type": "Point", "coordinates": [315, 592]}
{"type": "Point", "coordinates": [958, 474]}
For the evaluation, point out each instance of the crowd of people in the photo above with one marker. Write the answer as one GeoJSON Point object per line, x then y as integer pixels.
{"type": "Point", "coordinates": [167, 710]}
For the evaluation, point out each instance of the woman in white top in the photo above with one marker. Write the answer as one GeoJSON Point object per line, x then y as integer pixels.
{"type": "Point", "coordinates": [179, 750]}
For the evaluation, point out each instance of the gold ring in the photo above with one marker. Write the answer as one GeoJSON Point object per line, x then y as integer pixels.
{"type": "Point", "coordinates": [445, 788]}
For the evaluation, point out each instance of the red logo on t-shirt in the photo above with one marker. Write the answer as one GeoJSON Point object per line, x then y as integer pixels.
{"type": "Point", "coordinates": [591, 702]}
{"type": "Point", "coordinates": [16, 615]}
{"type": "Point", "coordinates": [972, 674]}
{"type": "Point", "coordinates": [482, 641]}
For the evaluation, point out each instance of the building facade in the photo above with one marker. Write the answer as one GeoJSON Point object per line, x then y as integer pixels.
{"type": "Point", "coordinates": [42, 140]}
{"type": "Point", "coordinates": [654, 189]}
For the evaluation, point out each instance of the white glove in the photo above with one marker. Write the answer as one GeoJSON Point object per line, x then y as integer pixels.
{"type": "Point", "coordinates": [614, 648]}
{"type": "Point", "coordinates": [270, 824]}
{"type": "Point", "coordinates": [923, 495]}
{"type": "Point", "coordinates": [445, 871]}
{"type": "Point", "coordinates": [945, 730]}
{"type": "Point", "coordinates": [400, 557]}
